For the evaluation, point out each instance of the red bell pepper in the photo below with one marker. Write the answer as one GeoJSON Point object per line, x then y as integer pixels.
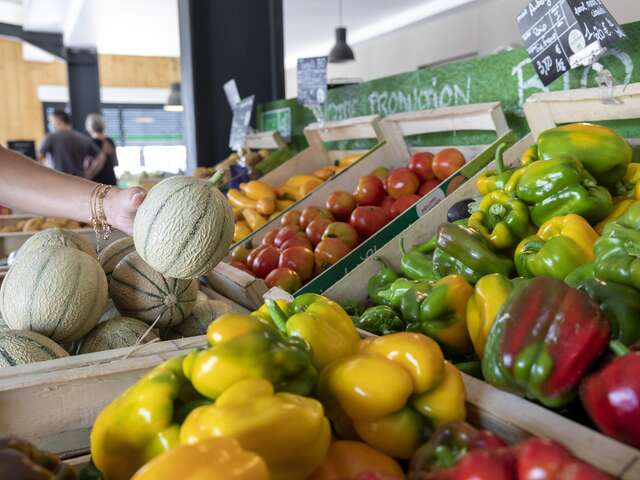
{"type": "Point", "coordinates": [448, 444]}
{"type": "Point", "coordinates": [611, 397]}
{"type": "Point", "coordinates": [546, 459]}
{"type": "Point", "coordinates": [544, 340]}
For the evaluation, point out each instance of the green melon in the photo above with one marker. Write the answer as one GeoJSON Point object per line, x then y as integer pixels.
{"type": "Point", "coordinates": [58, 237]}
{"type": "Point", "coordinates": [18, 347]}
{"type": "Point", "coordinates": [184, 227]}
{"type": "Point", "coordinates": [204, 312]}
{"type": "Point", "coordinates": [58, 292]}
{"type": "Point", "coordinates": [116, 333]}
{"type": "Point", "coordinates": [114, 252]}
{"type": "Point", "coordinates": [138, 291]}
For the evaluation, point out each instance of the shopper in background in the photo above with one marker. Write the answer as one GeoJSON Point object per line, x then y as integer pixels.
{"type": "Point", "coordinates": [69, 149]}
{"type": "Point", "coordinates": [100, 170]}
{"type": "Point", "coordinates": [30, 187]}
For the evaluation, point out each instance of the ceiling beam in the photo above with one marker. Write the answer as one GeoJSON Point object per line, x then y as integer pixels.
{"type": "Point", "coordinates": [47, 41]}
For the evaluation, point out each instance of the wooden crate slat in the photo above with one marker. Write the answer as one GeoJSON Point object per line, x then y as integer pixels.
{"type": "Point", "coordinates": [271, 140]}
{"type": "Point", "coordinates": [547, 110]}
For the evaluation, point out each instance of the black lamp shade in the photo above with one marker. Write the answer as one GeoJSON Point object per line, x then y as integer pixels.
{"type": "Point", "coordinates": [174, 101]}
{"type": "Point", "coordinates": [341, 52]}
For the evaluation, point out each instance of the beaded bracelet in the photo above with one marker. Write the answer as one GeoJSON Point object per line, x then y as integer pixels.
{"type": "Point", "coordinates": [98, 218]}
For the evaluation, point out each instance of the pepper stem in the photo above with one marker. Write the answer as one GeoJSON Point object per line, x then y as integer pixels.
{"type": "Point", "coordinates": [215, 178]}
{"type": "Point", "coordinates": [498, 158]}
{"type": "Point", "coordinates": [277, 315]}
{"type": "Point", "coordinates": [497, 210]}
{"type": "Point", "coordinates": [382, 262]}
{"type": "Point", "coordinates": [618, 348]}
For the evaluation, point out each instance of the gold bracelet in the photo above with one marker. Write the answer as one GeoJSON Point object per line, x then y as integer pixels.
{"type": "Point", "coordinates": [98, 217]}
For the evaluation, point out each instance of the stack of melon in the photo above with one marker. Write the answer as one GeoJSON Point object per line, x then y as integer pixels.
{"type": "Point", "coordinates": [58, 293]}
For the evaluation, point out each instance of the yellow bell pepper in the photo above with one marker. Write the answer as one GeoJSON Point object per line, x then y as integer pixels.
{"type": "Point", "coordinates": [561, 245]}
{"type": "Point", "coordinates": [321, 322]}
{"type": "Point", "coordinates": [392, 391]}
{"type": "Point", "coordinates": [257, 190]}
{"type": "Point", "coordinates": [348, 460]}
{"type": "Point", "coordinates": [489, 294]}
{"type": "Point", "coordinates": [288, 431]}
{"type": "Point", "coordinates": [620, 207]}
{"type": "Point", "coordinates": [141, 423]}
{"type": "Point", "coordinates": [240, 230]}
{"type": "Point", "coordinates": [210, 459]}
{"type": "Point", "coordinates": [245, 346]}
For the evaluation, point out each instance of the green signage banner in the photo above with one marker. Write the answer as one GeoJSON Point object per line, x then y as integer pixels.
{"type": "Point", "coordinates": [507, 77]}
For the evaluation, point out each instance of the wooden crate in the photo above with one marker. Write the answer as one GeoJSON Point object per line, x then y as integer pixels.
{"type": "Point", "coordinates": [237, 285]}
{"type": "Point", "coordinates": [473, 117]}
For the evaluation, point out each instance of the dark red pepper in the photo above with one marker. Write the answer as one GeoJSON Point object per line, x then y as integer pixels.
{"type": "Point", "coordinates": [539, 458]}
{"type": "Point", "coordinates": [611, 397]}
{"type": "Point", "coordinates": [544, 340]}
{"type": "Point", "coordinates": [448, 445]}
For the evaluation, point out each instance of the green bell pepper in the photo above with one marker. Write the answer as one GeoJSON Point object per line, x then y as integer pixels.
{"type": "Point", "coordinates": [558, 187]}
{"type": "Point", "coordinates": [380, 320]}
{"type": "Point", "coordinates": [464, 252]}
{"type": "Point", "coordinates": [440, 313]}
{"type": "Point", "coordinates": [620, 304]}
{"type": "Point", "coordinates": [393, 295]}
{"type": "Point", "coordinates": [617, 251]}
{"type": "Point", "coordinates": [580, 274]}
{"type": "Point", "coordinates": [414, 264]}
{"type": "Point", "coordinates": [502, 219]}
{"type": "Point", "coordinates": [381, 281]}
{"type": "Point", "coordinates": [603, 152]}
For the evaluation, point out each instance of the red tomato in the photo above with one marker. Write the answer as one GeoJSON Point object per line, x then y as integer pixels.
{"type": "Point", "coordinates": [315, 229]}
{"type": "Point", "coordinates": [402, 182]}
{"type": "Point", "coordinates": [311, 213]}
{"type": "Point", "coordinates": [427, 186]}
{"type": "Point", "coordinates": [300, 259]}
{"type": "Point", "coordinates": [270, 237]}
{"type": "Point", "coordinates": [421, 164]}
{"type": "Point", "coordinates": [328, 252]}
{"type": "Point", "coordinates": [265, 261]}
{"type": "Point", "coordinates": [386, 205]}
{"type": "Point", "coordinates": [446, 162]}
{"type": "Point", "coordinates": [290, 217]}
{"type": "Point", "coordinates": [342, 231]}
{"type": "Point", "coordinates": [296, 242]}
{"type": "Point", "coordinates": [401, 204]}
{"type": "Point", "coordinates": [287, 233]}
{"type": "Point", "coordinates": [341, 204]}
{"type": "Point", "coordinates": [368, 220]}
{"type": "Point", "coordinates": [252, 254]}
{"type": "Point", "coordinates": [285, 278]}
{"type": "Point", "coordinates": [370, 190]}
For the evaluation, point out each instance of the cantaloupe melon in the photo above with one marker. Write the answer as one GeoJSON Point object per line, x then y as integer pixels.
{"type": "Point", "coordinates": [184, 227]}
{"type": "Point", "coordinates": [138, 291]}
{"type": "Point", "coordinates": [58, 237]}
{"type": "Point", "coordinates": [204, 312]}
{"type": "Point", "coordinates": [18, 347]}
{"type": "Point", "coordinates": [3, 324]}
{"type": "Point", "coordinates": [59, 292]}
{"type": "Point", "coordinates": [114, 252]}
{"type": "Point", "coordinates": [116, 333]}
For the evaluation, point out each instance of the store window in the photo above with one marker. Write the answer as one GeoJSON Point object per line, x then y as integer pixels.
{"type": "Point", "coordinates": [148, 138]}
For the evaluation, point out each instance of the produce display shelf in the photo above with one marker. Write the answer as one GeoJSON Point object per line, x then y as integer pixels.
{"type": "Point", "coordinates": [543, 111]}
{"type": "Point", "coordinates": [486, 116]}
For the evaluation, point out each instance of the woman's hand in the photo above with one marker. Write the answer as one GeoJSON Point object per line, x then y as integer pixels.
{"type": "Point", "coordinates": [120, 207]}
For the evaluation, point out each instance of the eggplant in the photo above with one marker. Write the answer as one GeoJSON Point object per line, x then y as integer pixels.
{"type": "Point", "coordinates": [459, 210]}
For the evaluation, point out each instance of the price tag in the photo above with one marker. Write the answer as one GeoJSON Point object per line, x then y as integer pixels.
{"type": "Point", "coordinates": [312, 81]}
{"type": "Point", "coordinates": [563, 34]}
{"type": "Point", "coordinates": [240, 123]}
{"type": "Point", "coordinates": [231, 91]}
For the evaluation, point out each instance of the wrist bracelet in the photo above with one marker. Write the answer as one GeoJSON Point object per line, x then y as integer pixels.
{"type": "Point", "coordinates": [98, 217]}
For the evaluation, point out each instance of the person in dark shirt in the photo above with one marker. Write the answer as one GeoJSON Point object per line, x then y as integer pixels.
{"type": "Point", "coordinates": [99, 170]}
{"type": "Point", "coordinates": [69, 149]}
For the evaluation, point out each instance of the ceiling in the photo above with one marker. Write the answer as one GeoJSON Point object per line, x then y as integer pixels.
{"type": "Point", "coordinates": [150, 27]}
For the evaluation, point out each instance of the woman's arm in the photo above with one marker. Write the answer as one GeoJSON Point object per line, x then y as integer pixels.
{"type": "Point", "coordinates": [30, 187]}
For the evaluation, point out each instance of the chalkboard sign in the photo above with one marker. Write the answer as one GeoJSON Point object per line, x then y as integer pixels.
{"type": "Point", "coordinates": [312, 81]}
{"type": "Point", "coordinates": [240, 122]}
{"type": "Point", "coordinates": [564, 34]}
